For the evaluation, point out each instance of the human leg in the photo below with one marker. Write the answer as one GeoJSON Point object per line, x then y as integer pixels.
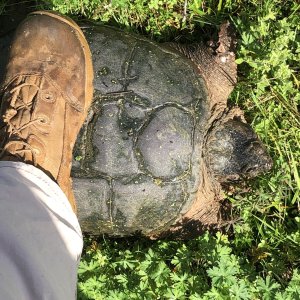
{"type": "Point", "coordinates": [45, 97]}
{"type": "Point", "coordinates": [40, 238]}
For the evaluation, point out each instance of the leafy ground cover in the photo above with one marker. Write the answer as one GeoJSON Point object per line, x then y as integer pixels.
{"type": "Point", "coordinates": [257, 254]}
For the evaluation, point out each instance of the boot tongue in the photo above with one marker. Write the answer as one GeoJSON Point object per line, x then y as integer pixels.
{"type": "Point", "coordinates": [29, 91]}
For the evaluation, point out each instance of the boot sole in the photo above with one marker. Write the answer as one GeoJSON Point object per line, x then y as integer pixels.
{"type": "Point", "coordinates": [86, 50]}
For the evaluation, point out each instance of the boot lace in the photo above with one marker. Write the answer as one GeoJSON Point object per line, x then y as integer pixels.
{"type": "Point", "coordinates": [15, 142]}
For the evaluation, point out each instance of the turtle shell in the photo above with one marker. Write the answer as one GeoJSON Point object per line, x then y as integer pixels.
{"type": "Point", "coordinates": [137, 160]}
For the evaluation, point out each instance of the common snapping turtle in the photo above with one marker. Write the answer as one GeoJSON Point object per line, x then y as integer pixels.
{"type": "Point", "coordinates": [159, 139]}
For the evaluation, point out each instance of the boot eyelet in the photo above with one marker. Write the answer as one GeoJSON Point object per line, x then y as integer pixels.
{"type": "Point", "coordinates": [43, 120]}
{"type": "Point", "coordinates": [48, 96]}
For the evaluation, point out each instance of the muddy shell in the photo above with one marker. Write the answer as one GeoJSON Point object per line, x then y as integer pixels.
{"type": "Point", "coordinates": [137, 158]}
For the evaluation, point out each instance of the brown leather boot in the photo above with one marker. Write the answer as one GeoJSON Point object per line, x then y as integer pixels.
{"type": "Point", "coordinates": [45, 95]}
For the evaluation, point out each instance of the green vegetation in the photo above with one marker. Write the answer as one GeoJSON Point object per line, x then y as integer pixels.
{"type": "Point", "coordinates": [258, 254]}
{"type": "Point", "coordinates": [2, 6]}
{"type": "Point", "coordinates": [204, 268]}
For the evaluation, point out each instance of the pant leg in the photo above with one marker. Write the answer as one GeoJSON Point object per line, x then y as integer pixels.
{"type": "Point", "coordinates": [40, 237]}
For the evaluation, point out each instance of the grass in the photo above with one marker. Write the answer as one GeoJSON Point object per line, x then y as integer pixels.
{"type": "Point", "coordinates": [257, 256]}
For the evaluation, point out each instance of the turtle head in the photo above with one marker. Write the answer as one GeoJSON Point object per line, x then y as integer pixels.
{"type": "Point", "coordinates": [233, 151]}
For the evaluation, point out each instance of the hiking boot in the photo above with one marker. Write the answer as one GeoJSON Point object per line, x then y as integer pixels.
{"type": "Point", "coordinates": [45, 95]}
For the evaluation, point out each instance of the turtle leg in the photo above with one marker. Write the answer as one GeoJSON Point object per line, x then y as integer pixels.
{"type": "Point", "coordinates": [215, 63]}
